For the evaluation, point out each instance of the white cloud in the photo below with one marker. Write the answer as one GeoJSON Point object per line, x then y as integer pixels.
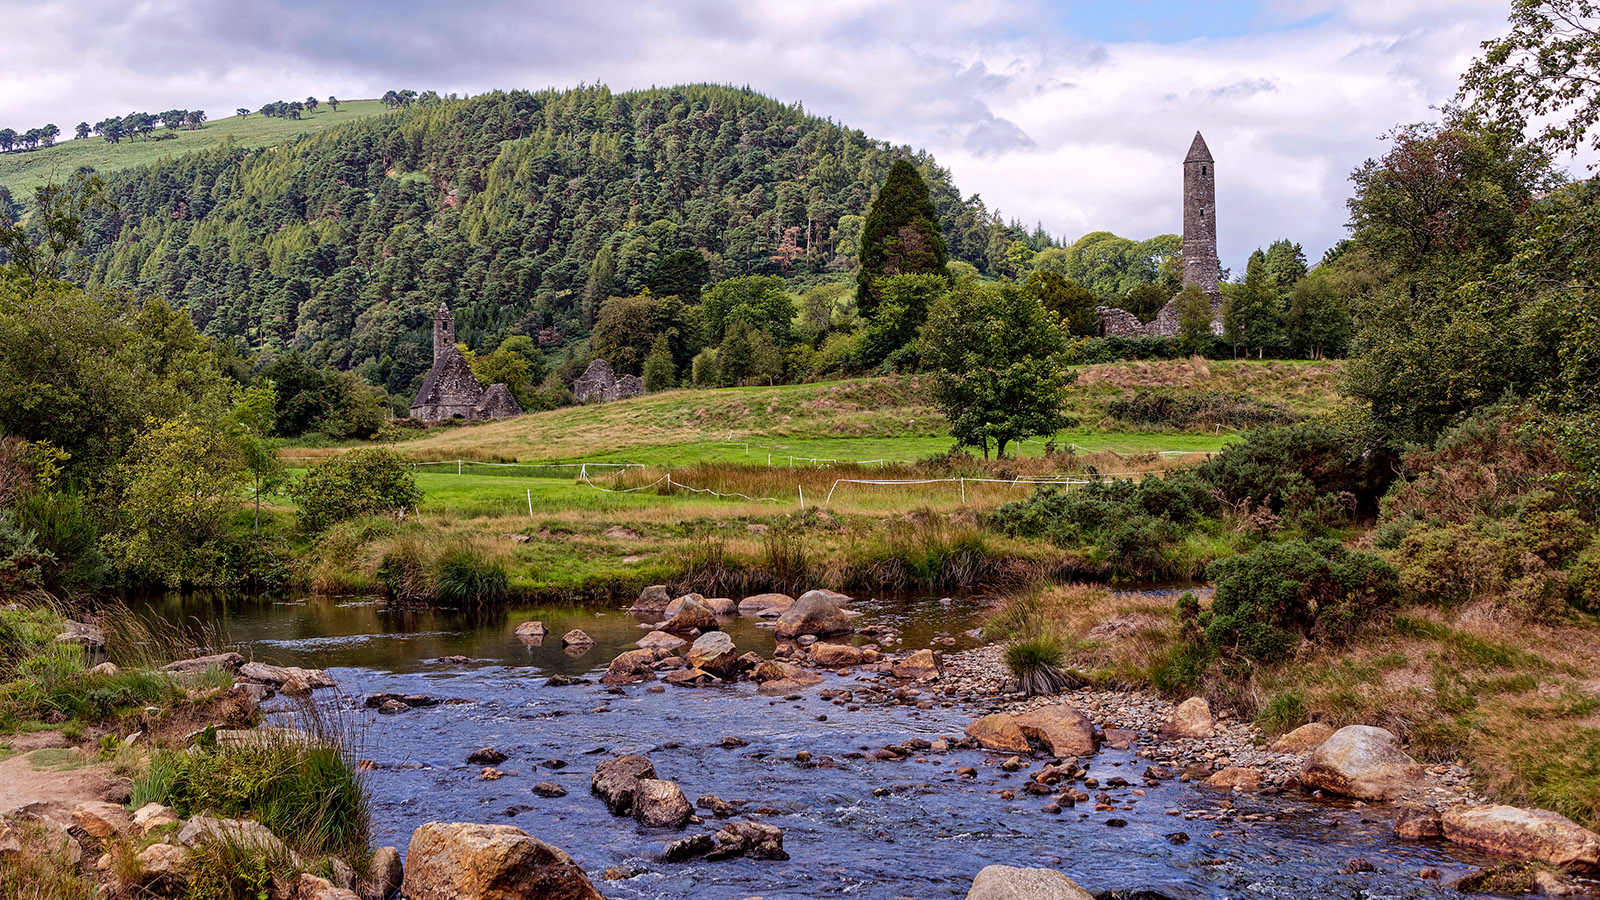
{"type": "Point", "coordinates": [1046, 126]}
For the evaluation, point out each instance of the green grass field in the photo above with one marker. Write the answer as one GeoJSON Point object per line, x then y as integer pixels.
{"type": "Point", "coordinates": [22, 172]}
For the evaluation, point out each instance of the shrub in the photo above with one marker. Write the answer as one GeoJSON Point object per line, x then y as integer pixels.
{"type": "Point", "coordinates": [1187, 409]}
{"type": "Point", "coordinates": [1280, 593]}
{"type": "Point", "coordinates": [62, 527]}
{"type": "Point", "coordinates": [1134, 527]}
{"type": "Point", "coordinates": [365, 482]}
{"type": "Point", "coordinates": [1293, 469]}
{"type": "Point", "coordinates": [1036, 664]}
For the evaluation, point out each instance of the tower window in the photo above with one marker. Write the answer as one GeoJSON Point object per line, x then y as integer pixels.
{"type": "Point", "coordinates": [1202, 170]}
{"type": "Point", "coordinates": [1202, 212]}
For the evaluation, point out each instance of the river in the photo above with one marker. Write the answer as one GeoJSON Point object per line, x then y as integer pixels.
{"type": "Point", "coordinates": [863, 828]}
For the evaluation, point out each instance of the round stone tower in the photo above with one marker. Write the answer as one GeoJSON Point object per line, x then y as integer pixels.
{"type": "Point", "coordinates": [1200, 265]}
{"type": "Point", "coordinates": [444, 326]}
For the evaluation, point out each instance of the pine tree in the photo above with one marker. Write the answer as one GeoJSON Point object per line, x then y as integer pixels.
{"type": "Point", "coordinates": [734, 358]}
{"type": "Point", "coordinates": [1253, 315]}
{"type": "Point", "coordinates": [598, 288]}
{"type": "Point", "coordinates": [901, 235]}
{"type": "Point", "coordinates": [659, 372]}
{"type": "Point", "coordinates": [1194, 320]}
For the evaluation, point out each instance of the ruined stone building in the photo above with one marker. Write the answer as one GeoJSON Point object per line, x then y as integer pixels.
{"type": "Point", "coordinates": [600, 383]}
{"type": "Point", "coordinates": [1200, 263]}
{"type": "Point", "coordinates": [451, 391]}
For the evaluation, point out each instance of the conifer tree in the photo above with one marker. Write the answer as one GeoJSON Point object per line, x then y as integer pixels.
{"type": "Point", "coordinates": [659, 372]}
{"type": "Point", "coordinates": [1252, 315]}
{"type": "Point", "coordinates": [598, 288]}
{"type": "Point", "coordinates": [901, 235]}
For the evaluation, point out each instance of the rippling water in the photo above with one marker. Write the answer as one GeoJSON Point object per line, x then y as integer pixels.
{"type": "Point", "coordinates": [925, 838]}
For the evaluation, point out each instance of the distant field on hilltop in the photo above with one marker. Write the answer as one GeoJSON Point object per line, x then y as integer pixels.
{"type": "Point", "coordinates": [22, 172]}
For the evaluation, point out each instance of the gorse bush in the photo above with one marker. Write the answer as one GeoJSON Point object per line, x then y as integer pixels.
{"type": "Point", "coordinates": [1136, 528]}
{"type": "Point", "coordinates": [366, 482]}
{"type": "Point", "coordinates": [1187, 409]}
{"type": "Point", "coordinates": [1295, 470]}
{"type": "Point", "coordinates": [1268, 600]}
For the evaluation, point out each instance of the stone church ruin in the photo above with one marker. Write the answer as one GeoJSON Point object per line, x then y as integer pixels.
{"type": "Point", "coordinates": [451, 391]}
{"type": "Point", "coordinates": [599, 383]}
{"type": "Point", "coordinates": [1200, 264]}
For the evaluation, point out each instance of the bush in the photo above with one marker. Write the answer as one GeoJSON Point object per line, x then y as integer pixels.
{"type": "Point", "coordinates": [62, 527]}
{"type": "Point", "coordinates": [1134, 527]}
{"type": "Point", "coordinates": [1279, 594]}
{"type": "Point", "coordinates": [1295, 469]}
{"type": "Point", "coordinates": [365, 482]}
{"type": "Point", "coordinates": [1187, 409]}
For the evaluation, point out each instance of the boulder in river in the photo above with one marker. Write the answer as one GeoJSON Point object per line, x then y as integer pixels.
{"type": "Point", "coordinates": [1416, 822]}
{"type": "Point", "coordinates": [1360, 761]}
{"type": "Point", "coordinates": [715, 653]}
{"type": "Point", "coordinates": [534, 628]}
{"type": "Point", "coordinates": [631, 667]}
{"type": "Point", "coordinates": [1306, 737]}
{"type": "Point", "coordinates": [1235, 778]}
{"type": "Point", "coordinates": [660, 640]}
{"type": "Point", "coordinates": [660, 804]}
{"type": "Point", "coordinates": [652, 602]}
{"type": "Point", "coordinates": [486, 756]}
{"type": "Point", "coordinates": [780, 678]}
{"type": "Point", "coordinates": [999, 732]}
{"type": "Point", "coordinates": [616, 780]}
{"type": "Point", "coordinates": [923, 665]}
{"type": "Point", "coordinates": [689, 677]}
{"type": "Point", "coordinates": [765, 606]}
{"type": "Point", "coordinates": [676, 606]}
{"type": "Point", "coordinates": [289, 679]}
{"type": "Point", "coordinates": [467, 861]}
{"type": "Point", "coordinates": [576, 638]}
{"type": "Point", "coordinates": [816, 612]}
{"type": "Point", "coordinates": [1190, 719]}
{"type": "Point", "coordinates": [691, 615]}
{"type": "Point", "coordinates": [835, 655]}
{"type": "Point", "coordinates": [722, 607]}
{"type": "Point", "coordinates": [1524, 834]}
{"type": "Point", "coordinates": [757, 840]}
{"type": "Point", "coordinates": [1061, 729]}
{"type": "Point", "coordinates": [1012, 883]}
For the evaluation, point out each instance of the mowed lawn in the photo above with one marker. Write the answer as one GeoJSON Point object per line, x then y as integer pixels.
{"type": "Point", "coordinates": [22, 172]}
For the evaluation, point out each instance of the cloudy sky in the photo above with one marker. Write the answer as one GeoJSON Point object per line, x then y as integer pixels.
{"type": "Point", "coordinates": [1067, 112]}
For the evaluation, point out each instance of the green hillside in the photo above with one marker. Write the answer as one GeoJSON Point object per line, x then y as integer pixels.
{"type": "Point", "coordinates": [522, 210]}
{"type": "Point", "coordinates": [22, 172]}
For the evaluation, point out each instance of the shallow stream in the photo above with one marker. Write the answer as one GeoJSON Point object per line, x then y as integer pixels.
{"type": "Point", "coordinates": [925, 837]}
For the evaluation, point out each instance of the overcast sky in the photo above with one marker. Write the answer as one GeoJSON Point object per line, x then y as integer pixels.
{"type": "Point", "coordinates": [1074, 114]}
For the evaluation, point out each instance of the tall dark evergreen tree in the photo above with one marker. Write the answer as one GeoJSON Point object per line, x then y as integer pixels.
{"type": "Point", "coordinates": [901, 235]}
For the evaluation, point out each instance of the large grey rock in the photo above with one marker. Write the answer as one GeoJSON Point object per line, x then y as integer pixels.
{"type": "Point", "coordinates": [1363, 762]}
{"type": "Point", "coordinates": [466, 861]}
{"type": "Point", "coordinates": [756, 840]}
{"type": "Point", "coordinates": [617, 780]}
{"type": "Point", "coordinates": [660, 640]}
{"type": "Point", "coordinates": [715, 653]}
{"type": "Point", "coordinates": [1061, 729]}
{"type": "Point", "coordinates": [660, 804]}
{"type": "Point", "coordinates": [289, 679]}
{"type": "Point", "coordinates": [1012, 883]}
{"type": "Point", "coordinates": [676, 605]}
{"type": "Point", "coordinates": [239, 832]}
{"type": "Point", "coordinates": [1523, 833]}
{"type": "Point", "coordinates": [816, 612]}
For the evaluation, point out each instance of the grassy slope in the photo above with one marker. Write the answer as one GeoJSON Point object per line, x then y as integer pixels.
{"type": "Point", "coordinates": [863, 419]}
{"type": "Point", "coordinates": [22, 172]}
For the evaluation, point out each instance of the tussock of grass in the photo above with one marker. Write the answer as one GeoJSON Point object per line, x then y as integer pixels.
{"type": "Point", "coordinates": [1036, 664]}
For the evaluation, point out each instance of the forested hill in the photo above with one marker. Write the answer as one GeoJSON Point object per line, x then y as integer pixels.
{"type": "Point", "coordinates": [341, 244]}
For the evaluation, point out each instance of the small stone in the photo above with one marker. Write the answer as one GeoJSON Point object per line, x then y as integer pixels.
{"type": "Point", "coordinates": [549, 789]}
{"type": "Point", "coordinates": [486, 756]}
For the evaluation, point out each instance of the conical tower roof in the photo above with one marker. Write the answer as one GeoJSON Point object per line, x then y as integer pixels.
{"type": "Point", "coordinates": [1198, 151]}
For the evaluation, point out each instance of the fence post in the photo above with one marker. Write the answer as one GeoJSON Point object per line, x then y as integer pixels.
{"type": "Point", "coordinates": [802, 489]}
{"type": "Point", "coordinates": [530, 503]}
{"type": "Point", "coordinates": [458, 467]}
{"type": "Point", "coordinates": [963, 490]}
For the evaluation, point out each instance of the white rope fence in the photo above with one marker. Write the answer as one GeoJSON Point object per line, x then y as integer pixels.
{"type": "Point", "coordinates": [963, 481]}
{"type": "Point", "coordinates": [584, 477]}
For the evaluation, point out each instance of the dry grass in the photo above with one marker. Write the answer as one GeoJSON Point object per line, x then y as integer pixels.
{"type": "Point", "coordinates": [1115, 637]}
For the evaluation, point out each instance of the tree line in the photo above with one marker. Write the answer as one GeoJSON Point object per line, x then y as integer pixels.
{"type": "Point", "coordinates": [12, 140]}
{"type": "Point", "coordinates": [524, 211]}
{"type": "Point", "coordinates": [142, 124]}
{"type": "Point", "coordinates": [290, 109]}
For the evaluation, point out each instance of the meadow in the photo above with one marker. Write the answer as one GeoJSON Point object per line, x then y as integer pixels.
{"type": "Point", "coordinates": [22, 172]}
